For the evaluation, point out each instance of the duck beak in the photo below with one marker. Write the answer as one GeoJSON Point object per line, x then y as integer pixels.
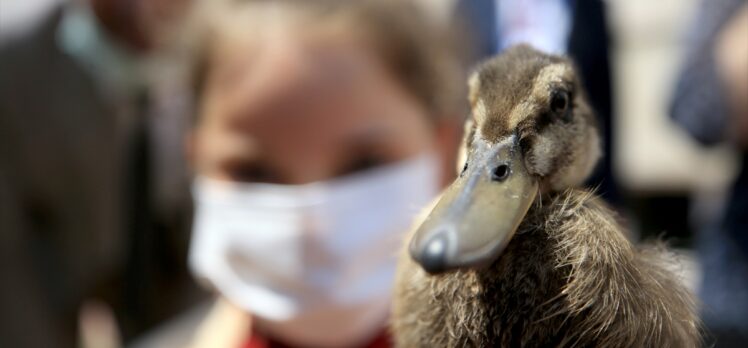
{"type": "Point", "coordinates": [478, 214]}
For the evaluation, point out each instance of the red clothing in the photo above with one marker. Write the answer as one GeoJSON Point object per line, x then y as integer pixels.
{"type": "Point", "coordinates": [383, 340]}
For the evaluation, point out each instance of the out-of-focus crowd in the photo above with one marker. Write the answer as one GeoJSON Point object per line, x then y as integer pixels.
{"type": "Point", "coordinates": [133, 133]}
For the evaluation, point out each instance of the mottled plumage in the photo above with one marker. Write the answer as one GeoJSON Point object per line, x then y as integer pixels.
{"type": "Point", "coordinates": [568, 277]}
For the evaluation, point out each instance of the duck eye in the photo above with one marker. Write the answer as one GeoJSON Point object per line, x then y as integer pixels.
{"type": "Point", "coordinates": [560, 105]}
{"type": "Point", "coordinates": [559, 102]}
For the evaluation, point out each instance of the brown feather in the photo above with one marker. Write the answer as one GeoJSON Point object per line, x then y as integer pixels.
{"type": "Point", "coordinates": [569, 278]}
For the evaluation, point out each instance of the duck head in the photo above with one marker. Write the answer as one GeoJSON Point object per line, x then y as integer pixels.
{"type": "Point", "coordinates": [530, 132]}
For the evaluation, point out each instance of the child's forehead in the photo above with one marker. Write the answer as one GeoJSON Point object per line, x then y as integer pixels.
{"type": "Point", "coordinates": [246, 45]}
{"type": "Point", "coordinates": [269, 20]}
{"type": "Point", "coordinates": [325, 82]}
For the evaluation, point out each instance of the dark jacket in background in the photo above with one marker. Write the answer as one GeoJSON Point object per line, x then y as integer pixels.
{"type": "Point", "coordinates": [70, 227]}
{"type": "Point", "coordinates": [699, 106]}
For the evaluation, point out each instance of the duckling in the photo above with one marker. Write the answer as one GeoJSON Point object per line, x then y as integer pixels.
{"type": "Point", "coordinates": [514, 254]}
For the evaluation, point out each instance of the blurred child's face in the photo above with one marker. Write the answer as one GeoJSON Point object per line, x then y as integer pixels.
{"type": "Point", "coordinates": [291, 111]}
{"type": "Point", "coordinates": [295, 109]}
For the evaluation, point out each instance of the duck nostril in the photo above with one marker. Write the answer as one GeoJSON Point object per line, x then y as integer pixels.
{"type": "Point", "coordinates": [500, 173]}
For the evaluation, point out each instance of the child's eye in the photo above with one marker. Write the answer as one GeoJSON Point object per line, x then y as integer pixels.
{"type": "Point", "coordinates": [249, 172]}
{"type": "Point", "coordinates": [363, 163]}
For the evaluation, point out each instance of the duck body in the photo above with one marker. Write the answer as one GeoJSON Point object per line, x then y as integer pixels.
{"type": "Point", "coordinates": [568, 278]}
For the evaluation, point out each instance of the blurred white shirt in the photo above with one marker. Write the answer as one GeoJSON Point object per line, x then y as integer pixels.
{"type": "Point", "coordinates": [544, 24]}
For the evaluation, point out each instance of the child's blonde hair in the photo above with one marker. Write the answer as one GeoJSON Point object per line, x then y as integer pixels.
{"type": "Point", "coordinates": [419, 53]}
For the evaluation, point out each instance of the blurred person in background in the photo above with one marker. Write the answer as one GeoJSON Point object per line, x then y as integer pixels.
{"type": "Point", "coordinates": [711, 103]}
{"type": "Point", "coordinates": [577, 28]}
{"type": "Point", "coordinates": [323, 127]}
{"type": "Point", "coordinates": [93, 198]}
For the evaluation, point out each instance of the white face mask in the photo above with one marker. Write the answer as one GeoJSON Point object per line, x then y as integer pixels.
{"type": "Point", "coordinates": [314, 264]}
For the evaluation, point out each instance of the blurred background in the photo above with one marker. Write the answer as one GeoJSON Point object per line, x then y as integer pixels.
{"type": "Point", "coordinates": [94, 185]}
